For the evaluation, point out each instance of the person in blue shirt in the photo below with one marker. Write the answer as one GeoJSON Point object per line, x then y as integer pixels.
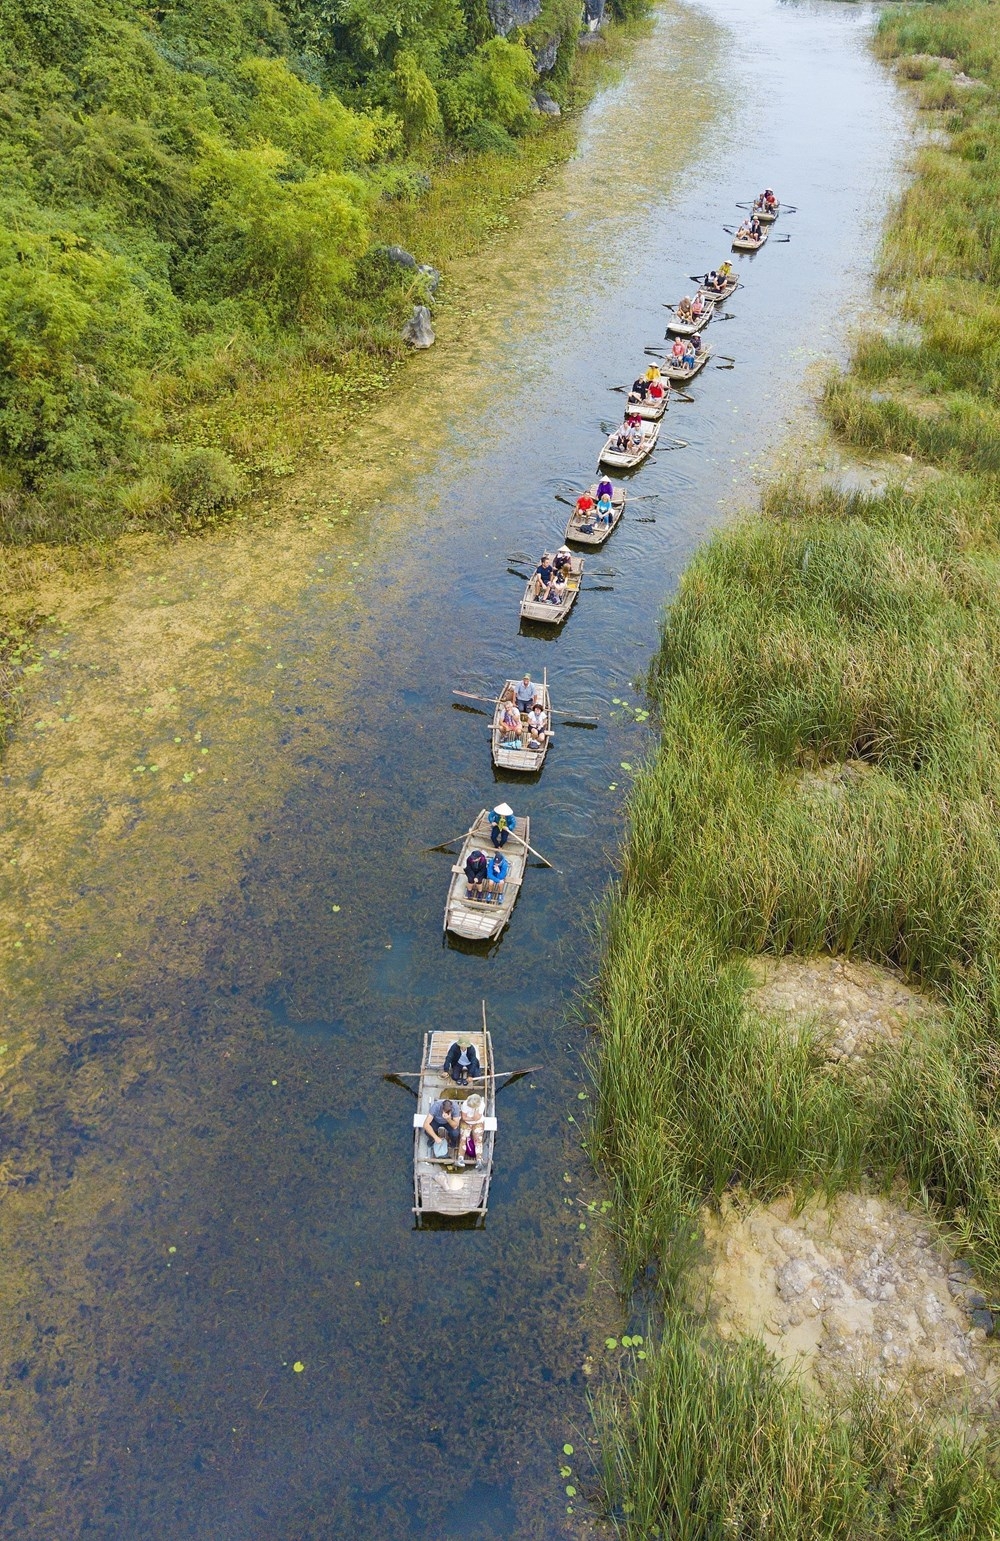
{"type": "Point", "coordinates": [443, 1121]}
{"type": "Point", "coordinates": [543, 576]}
{"type": "Point", "coordinates": [524, 694]}
{"type": "Point", "coordinates": [502, 821]}
{"type": "Point", "coordinates": [496, 874]}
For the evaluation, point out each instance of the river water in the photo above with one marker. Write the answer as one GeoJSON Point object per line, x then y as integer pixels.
{"type": "Point", "coordinates": [212, 1181]}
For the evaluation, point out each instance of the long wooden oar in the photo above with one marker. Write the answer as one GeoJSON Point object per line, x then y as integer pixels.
{"type": "Point", "coordinates": [444, 844]}
{"type": "Point", "coordinates": [541, 858]}
{"type": "Point", "coordinates": [490, 700]}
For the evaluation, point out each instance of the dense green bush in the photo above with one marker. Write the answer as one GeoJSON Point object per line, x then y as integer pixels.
{"type": "Point", "coordinates": [188, 191]}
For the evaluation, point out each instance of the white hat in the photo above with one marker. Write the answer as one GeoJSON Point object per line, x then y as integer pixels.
{"type": "Point", "coordinates": [505, 809]}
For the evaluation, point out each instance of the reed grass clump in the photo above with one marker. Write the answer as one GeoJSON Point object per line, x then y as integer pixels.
{"type": "Point", "coordinates": [715, 1441]}
{"type": "Point", "coordinates": [827, 779]}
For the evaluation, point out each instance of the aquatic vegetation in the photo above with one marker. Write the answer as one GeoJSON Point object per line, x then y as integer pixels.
{"type": "Point", "coordinates": [831, 630]}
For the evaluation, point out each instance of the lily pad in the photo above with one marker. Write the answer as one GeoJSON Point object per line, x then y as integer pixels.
{"type": "Point", "coordinates": [610, 1343]}
{"type": "Point", "coordinates": [298, 1366]}
{"type": "Point", "coordinates": [568, 1450]}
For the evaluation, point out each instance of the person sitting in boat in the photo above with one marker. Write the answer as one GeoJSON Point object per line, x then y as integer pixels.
{"type": "Point", "coordinates": [656, 391]}
{"type": "Point", "coordinates": [443, 1122]}
{"type": "Point", "coordinates": [538, 726]}
{"type": "Point", "coordinates": [697, 307]}
{"type": "Point", "coordinates": [683, 311]}
{"type": "Point", "coordinates": [473, 1130]}
{"type": "Point", "coordinates": [639, 389]}
{"type": "Point", "coordinates": [756, 228]}
{"type": "Point", "coordinates": [524, 693]}
{"type": "Point", "coordinates": [689, 354]}
{"type": "Point", "coordinates": [462, 1065]}
{"type": "Point", "coordinates": [652, 375]}
{"type": "Point", "coordinates": [726, 272]}
{"type": "Point", "coordinates": [583, 513]}
{"type": "Point", "coordinates": [510, 726]}
{"type": "Point", "coordinates": [605, 508]}
{"type": "Point", "coordinates": [677, 353]}
{"type": "Point", "coordinates": [621, 438]}
{"type": "Point", "coordinates": [475, 874]}
{"type": "Point", "coordinates": [557, 589]}
{"type": "Point", "coordinates": [543, 577]}
{"type": "Point", "coordinates": [696, 343]}
{"type": "Point", "coordinates": [767, 201]}
{"type": "Point", "coordinates": [635, 436]}
{"type": "Point", "coordinates": [502, 822]}
{"type": "Point", "coordinates": [563, 559]}
{"type": "Point", "coordinates": [605, 487]}
{"type": "Point", "coordinates": [497, 876]}
{"type": "Point", "coordinates": [713, 283]}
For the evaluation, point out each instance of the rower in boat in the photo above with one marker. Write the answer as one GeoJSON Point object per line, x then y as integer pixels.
{"type": "Point", "coordinates": [526, 694]}
{"type": "Point", "coordinates": [502, 824]}
{"type": "Point", "coordinates": [563, 558]}
{"type": "Point", "coordinates": [696, 343]}
{"type": "Point", "coordinates": [462, 1065]}
{"type": "Point", "coordinates": [767, 204]}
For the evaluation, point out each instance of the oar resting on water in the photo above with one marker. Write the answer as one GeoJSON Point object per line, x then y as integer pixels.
{"type": "Point", "coordinates": [492, 701]}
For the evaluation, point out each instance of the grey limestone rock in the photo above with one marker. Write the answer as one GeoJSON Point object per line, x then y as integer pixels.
{"type": "Point", "coordinates": [546, 104]}
{"type": "Point", "coordinates": [508, 14]}
{"type": "Point", "coordinates": [593, 13]}
{"type": "Point", "coordinates": [545, 55]}
{"type": "Point", "coordinates": [432, 274]}
{"type": "Point", "coordinates": [402, 258]}
{"type": "Point", "coordinates": [418, 331]}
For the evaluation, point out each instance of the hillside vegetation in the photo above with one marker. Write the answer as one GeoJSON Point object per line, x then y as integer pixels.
{"type": "Point", "coordinates": [829, 630]}
{"type": "Point", "coordinates": [192, 203]}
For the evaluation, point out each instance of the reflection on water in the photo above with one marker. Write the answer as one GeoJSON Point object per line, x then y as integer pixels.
{"type": "Point", "coordinates": [231, 1170]}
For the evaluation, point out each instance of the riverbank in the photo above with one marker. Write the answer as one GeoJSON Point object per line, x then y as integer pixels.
{"type": "Point", "coordinates": [219, 922]}
{"type": "Point", "coordinates": [273, 419]}
{"type": "Point", "coordinates": [825, 784]}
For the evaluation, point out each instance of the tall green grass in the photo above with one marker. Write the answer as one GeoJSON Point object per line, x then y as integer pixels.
{"type": "Point", "coordinates": [715, 1441]}
{"type": "Point", "coordinates": [831, 630]}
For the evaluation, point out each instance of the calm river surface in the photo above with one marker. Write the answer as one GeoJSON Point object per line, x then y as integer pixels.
{"type": "Point", "coordinates": [222, 1181]}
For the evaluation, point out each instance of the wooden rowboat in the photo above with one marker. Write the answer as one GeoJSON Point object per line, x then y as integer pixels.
{"type": "Point", "coordinates": [541, 610]}
{"type": "Point", "coordinates": [626, 459]}
{"type": "Point", "coordinates": [747, 243]}
{"type": "Point", "coordinates": [477, 919]}
{"type": "Point", "coordinates": [677, 328]}
{"type": "Point", "coordinates": [732, 284]}
{"type": "Point", "coordinates": [506, 758]}
{"type": "Point", "coordinates": [594, 534]}
{"type": "Point", "coordinates": [449, 1185]}
{"type": "Point", "coordinates": [682, 376]}
{"type": "Point", "coordinates": [650, 411]}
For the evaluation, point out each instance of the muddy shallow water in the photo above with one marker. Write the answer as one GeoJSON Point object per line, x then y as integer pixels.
{"type": "Point", "coordinates": [215, 819]}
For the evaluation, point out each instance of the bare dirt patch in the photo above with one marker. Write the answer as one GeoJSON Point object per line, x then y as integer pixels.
{"type": "Point", "coordinates": [860, 1287]}
{"type": "Point", "coordinates": [851, 1006]}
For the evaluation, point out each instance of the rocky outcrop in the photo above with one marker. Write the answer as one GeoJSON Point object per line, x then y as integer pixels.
{"type": "Point", "coordinates": [418, 331]}
{"type": "Point", "coordinates": [546, 104]}
{"type": "Point", "coordinates": [593, 13]}
{"type": "Point", "coordinates": [508, 14]}
{"type": "Point", "coordinates": [546, 55]}
{"type": "Point", "coordinates": [861, 1287]}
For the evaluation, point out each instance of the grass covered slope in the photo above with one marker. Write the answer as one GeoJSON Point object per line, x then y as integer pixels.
{"type": "Point", "coordinates": [192, 201]}
{"type": "Point", "coordinates": [831, 629]}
